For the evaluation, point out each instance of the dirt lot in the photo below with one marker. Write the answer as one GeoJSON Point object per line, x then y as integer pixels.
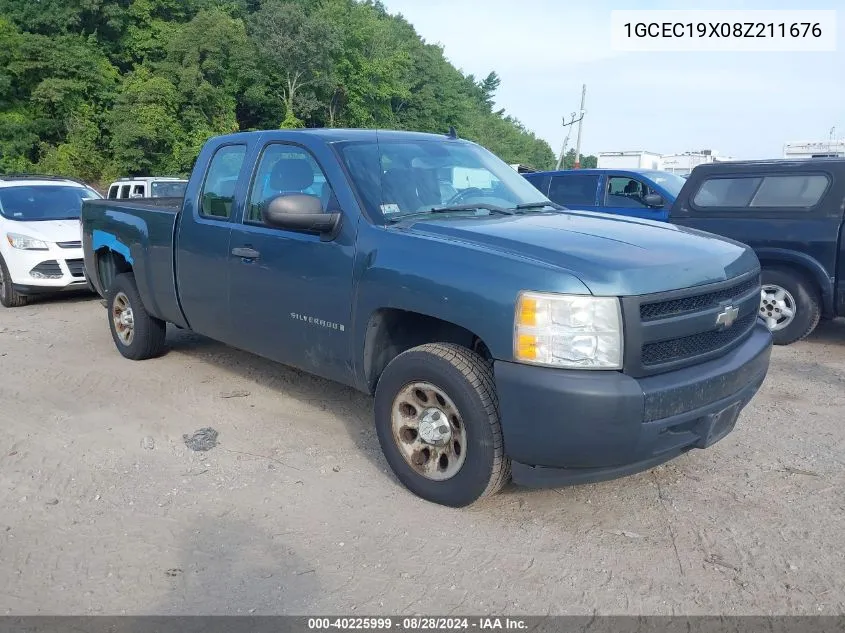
{"type": "Point", "coordinates": [104, 510]}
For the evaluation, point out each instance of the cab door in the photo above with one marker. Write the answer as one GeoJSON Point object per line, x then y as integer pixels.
{"type": "Point", "coordinates": [291, 291]}
{"type": "Point", "coordinates": [202, 244]}
{"type": "Point", "coordinates": [575, 190]}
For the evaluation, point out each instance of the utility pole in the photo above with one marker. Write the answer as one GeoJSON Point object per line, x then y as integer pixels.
{"type": "Point", "coordinates": [578, 142]}
{"type": "Point", "coordinates": [568, 127]}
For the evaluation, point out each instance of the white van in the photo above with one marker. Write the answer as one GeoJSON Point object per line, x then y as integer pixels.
{"type": "Point", "coordinates": [154, 187]}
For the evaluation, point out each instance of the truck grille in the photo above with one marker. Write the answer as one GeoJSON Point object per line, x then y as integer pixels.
{"type": "Point", "coordinates": [673, 307]}
{"type": "Point", "coordinates": [76, 267]}
{"type": "Point", "coordinates": [695, 345]}
{"type": "Point", "coordinates": [675, 329]}
{"type": "Point", "coordinates": [69, 244]}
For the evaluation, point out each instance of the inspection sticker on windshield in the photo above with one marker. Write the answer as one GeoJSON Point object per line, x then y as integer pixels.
{"type": "Point", "coordinates": [390, 209]}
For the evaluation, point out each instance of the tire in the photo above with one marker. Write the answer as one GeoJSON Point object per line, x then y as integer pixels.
{"type": "Point", "coordinates": [799, 295]}
{"type": "Point", "coordinates": [90, 286]}
{"type": "Point", "coordinates": [463, 388]}
{"type": "Point", "coordinates": [140, 336]}
{"type": "Point", "coordinates": [9, 297]}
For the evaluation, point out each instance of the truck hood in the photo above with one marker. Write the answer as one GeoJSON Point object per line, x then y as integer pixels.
{"type": "Point", "coordinates": [48, 230]}
{"type": "Point", "coordinates": [610, 254]}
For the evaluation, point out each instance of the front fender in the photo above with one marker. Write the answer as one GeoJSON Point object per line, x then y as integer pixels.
{"type": "Point", "coordinates": [472, 287]}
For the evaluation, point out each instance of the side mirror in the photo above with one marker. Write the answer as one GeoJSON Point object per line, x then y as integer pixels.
{"type": "Point", "coordinates": [654, 200]}
{"type": "Point", "coordinates": [299, 212]}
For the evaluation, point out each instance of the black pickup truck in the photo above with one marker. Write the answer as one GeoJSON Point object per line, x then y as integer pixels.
{"type": "Point", "coordinates": [791, 213]}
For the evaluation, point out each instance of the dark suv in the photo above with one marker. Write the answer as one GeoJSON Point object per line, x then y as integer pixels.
{"type": "Point", "coordinates": [791, 213]}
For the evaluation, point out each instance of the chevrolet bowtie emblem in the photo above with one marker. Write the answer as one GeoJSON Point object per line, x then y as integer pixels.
{"type": "Point", "coordinates": [727, 316]}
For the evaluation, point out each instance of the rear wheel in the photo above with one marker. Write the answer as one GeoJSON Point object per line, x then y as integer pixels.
{"type": "Point", "coordinates": [789, 304]}
{"type": "Point", "coordinates": [136, 334]}
{"type": "Point", "coordinates": [9, 297]}
{"type": "Point", "coordinates": [437, 420]}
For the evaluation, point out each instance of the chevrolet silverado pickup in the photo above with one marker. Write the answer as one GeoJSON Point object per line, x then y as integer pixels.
{"type": "Point", "coordinates": [502, 336]}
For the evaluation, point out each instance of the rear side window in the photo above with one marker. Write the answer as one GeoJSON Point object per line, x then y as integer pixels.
{"type": "Point", "coordinates": [113, 192]}
{"type": "Point", "coordinates": [726, 192]}
{"type": "Point", "coordinates": [574, 190]}
{"type": "Point", "coordinates": [218, 193]}
{"type": "Point", "coordinates": [781, 191]}
{"type": "Point", "coordinates": [124, 191]}
{"type": "Point", "coordinates": [794, 191]}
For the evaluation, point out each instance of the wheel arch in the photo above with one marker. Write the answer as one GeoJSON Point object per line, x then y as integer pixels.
{"type": "Point", "coordinates": [808, 267]}
{"type": "Point", "coordinates": [391, 331]}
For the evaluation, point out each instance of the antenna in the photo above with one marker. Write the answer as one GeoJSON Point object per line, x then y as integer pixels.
{"type": "Point", "coordinates": [453, 133]}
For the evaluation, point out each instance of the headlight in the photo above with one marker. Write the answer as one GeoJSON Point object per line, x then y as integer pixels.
{"type": "Point", "coordinates": [26, 243]}
{"type": "Point", "coordinates": [571, 331]}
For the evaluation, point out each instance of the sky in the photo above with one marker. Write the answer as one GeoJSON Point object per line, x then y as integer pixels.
{"type": "Point", "coordinates": [739, 104]}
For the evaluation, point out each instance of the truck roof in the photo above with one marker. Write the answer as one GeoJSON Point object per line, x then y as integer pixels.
{"type": "Point", "coordinates": [601, 170]}
{"type": "Point", "coordinates": [333, 135]}
{"type": "Point", "coordinates": [13, 180]}
{"type": "Point", "coordinates": [792, 163]}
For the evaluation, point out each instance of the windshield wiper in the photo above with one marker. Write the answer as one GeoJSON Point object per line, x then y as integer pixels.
{"type": "Point", "coordinates": [471, 207]}
{"type": "Point", "coordinates": [492, 208]}
{"type": "Point", "coordinates": [539, 205]}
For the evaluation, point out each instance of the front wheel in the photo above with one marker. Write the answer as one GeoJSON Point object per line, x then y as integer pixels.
{"type": "Point", "coordinates": [437, 419]}
{"type": "Point", "coordinates": [789, 304]}
{"type": "Point", "coordinates": [136, 334]}
{"type": "Point", "coordinates": [9, 297]}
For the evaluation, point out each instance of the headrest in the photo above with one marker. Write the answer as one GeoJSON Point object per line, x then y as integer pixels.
{"type": "Point", "coordinates": [291, 174]}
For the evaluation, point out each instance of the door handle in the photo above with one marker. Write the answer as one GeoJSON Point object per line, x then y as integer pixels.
{"type": "Point", "coordinates": [246, 253]}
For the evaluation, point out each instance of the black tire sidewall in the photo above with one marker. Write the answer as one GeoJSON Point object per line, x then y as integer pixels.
{"type": "Point", "coordinates": [142, 322]}
{"type": "Point", "coordinates": [806, 304]}
{"type": "Point", "coordinates": [475, 473]}
{"type": "Point", "coordinates": [11, 299]}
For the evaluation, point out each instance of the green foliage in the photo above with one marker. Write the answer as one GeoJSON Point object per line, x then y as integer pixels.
{"type": "Point", "coordinates": [102, 88]}
{"type": "Point", "coordinates": [587, 162]}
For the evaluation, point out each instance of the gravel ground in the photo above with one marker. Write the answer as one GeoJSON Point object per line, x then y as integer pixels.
{"type": "Point", "coordinates": [103, 508]}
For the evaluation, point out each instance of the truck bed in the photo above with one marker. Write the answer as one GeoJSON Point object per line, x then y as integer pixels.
{"type": "Point", "coordinates": [141, 232]}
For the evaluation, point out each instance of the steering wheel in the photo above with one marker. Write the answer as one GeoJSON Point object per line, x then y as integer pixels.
{"type": "Point", "coordinates": [464, 193]}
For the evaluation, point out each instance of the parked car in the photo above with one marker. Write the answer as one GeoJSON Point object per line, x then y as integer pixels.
{"type": "Point", "coordinates": [641, 193]}
{"type": "Point", "coordinates": [791, 213]}
{"type": "Point", "coordinates": [41, 248]}
{"type": "Point", "coordinates": [500, 335]}
{"type": "Point", "coordinates": [158, 187]}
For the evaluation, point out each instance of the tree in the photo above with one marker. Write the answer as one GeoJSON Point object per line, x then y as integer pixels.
{"type": "Point", "coordinates": [587, 161]}
{"type": "Point", "coordinates": [299, 47]}
{"type": "Point", "coordinates": [104, 88]}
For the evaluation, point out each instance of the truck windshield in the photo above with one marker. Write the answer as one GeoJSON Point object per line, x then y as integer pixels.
{"type": "Point", "coordinates": [30, 203]}
{"type": "Point", "coordinates": [669, 181]}
{"type": "Point", "coordinates": [168, 189]}
{"type": "Point", "coordinates": [399, 178]}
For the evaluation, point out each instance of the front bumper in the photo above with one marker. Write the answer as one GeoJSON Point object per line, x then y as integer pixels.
{"type": "Point", "coordinates": [567, 427]}
{"type": "Point", "coordinates": [53, 270]}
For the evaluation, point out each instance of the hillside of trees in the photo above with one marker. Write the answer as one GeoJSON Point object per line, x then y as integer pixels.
{"type": "Point", "coordinates": [103, 88]}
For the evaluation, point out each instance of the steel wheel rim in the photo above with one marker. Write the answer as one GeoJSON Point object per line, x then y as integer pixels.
{"type": "Point", "coordinates": [123, 318]}
{"type": "Point", "coordinates": [777, 307]}
{"type": "Point", "coordinates": [429, 431]}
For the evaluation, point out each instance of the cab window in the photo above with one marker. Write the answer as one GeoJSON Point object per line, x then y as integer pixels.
{"type": "Point", "coordinates": [623, 191]}
{"type": "Point", "coordinates": [287, 168]}
{"type": "Point", "coordinates": [218, 192]}
{"type": "Point", "coordinates": [574, 190]}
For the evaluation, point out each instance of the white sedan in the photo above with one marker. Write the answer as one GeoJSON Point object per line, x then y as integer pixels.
{"type": "Point", "coordinates": [40, 239]}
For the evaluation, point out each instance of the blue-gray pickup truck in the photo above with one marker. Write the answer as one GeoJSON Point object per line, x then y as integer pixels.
{"type": "Point", "coordinates": [502, 336]}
